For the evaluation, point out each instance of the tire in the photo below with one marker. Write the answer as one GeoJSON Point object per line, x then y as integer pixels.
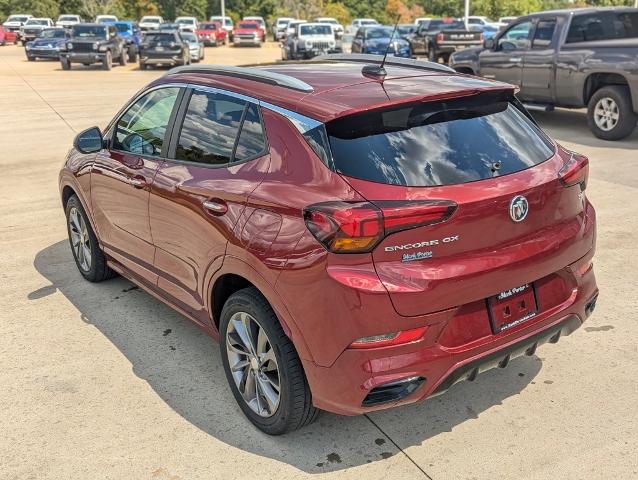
{"type": "Point", "coordinates": [95, 269]}
{"type": "Point", "coordinates": [143, 66]}
{"type": "Point", "coordinates": [610, 114]}
{"type": "Point", "coordinates": [132, 55]}
{"type": "Point", "coordinates": [30, 58]}
{"type": "Point", "coordinates": [122, 58]}
{"type": "Point", "coordinates": [294, 408]}
{"type": "Point", "coordinates": [107, 63]}
{"type": "Point", "coordinates": [66, 65]}
{"type": "Point", "coordinates": [433, 55]}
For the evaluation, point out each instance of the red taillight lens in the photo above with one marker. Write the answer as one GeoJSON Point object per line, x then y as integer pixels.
{"type": "Point", "coordinates": [439, 37]}
{"type": "Point", "coordinates": [575, 171]}
{"type": "Point", "coordinates": [344, 227]}
{"type": "Point", "coordinates": [481, 37]}
{"type": "Point", "coordinates": [390, 339]}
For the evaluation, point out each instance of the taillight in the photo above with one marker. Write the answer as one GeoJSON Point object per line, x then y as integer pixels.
{"type": "Point", "coordinates": [481, 37]}
{"type": "Point", "coordinates": [575, 171]}
{"type": "Point", "coordinates": [439, 37]}
{"type": "Point", "coordinates": [356, 227]}
{"type": "Point", "coordinates": [390, 339]}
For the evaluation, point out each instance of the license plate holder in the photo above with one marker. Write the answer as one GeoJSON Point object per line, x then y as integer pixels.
{"type": "Point", "coordinates": [512, 307]}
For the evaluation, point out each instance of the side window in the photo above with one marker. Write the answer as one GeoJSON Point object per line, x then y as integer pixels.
{"type": "Point", "coordinates": [251, 141]}
{"type": "Point", "coordinates": [141, 130]}
{"type": "Point", "coordinates": [603, 26]}
{"type": "Point", "coordinates": [516, 37]}
{"type": "Point", "coordinates": [210, 128]}
{"type": "Point", "coordinates": [544, 33]}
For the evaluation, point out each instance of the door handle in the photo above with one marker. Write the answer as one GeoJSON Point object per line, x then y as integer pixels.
{"type": "Point", "coordinates": [215, 206]}
{"type": "Point", "coordinates": [137, 182]}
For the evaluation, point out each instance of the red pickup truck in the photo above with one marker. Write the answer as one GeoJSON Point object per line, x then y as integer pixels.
{"type": "Point", "coordinates": [7, 36]}
{"type": "Point", "coordinates": [212, 34]}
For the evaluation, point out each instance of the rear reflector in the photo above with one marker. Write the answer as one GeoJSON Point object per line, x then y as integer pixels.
{"type": "Point", "coordinates": [575, 171]}
{"type": "Point", "coordinates": [356, 227]}
{"type": "Point", "coordinates": [390, 339]}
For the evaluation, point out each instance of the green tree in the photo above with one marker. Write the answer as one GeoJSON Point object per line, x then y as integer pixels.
{"type": "Point", "coordinates": [337, 10]}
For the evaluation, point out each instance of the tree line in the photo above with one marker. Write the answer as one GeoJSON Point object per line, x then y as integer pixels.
{"type": "Point", "coordinates": [344, 10]}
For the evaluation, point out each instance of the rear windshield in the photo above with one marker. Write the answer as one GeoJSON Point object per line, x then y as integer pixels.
{"type": "Point", "coordinates": [603, 26]}
{"type": "Point", "coordinates": [122, 27]}
{"type": "Point", "coordinates": [160, 37]}
{"type": "Point", "coordinates": [445, 25]}
{"type": "Point", "coordinates": [423, 145]}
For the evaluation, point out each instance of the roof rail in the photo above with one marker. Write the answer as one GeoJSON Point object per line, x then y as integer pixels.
{"type": "Point", "coordinates": [376, 59]}
{"type": "Point", "coordinates": [256, 74]}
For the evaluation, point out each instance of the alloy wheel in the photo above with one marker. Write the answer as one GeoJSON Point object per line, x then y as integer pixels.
{"type": "Point", "coordinates": [80, 239]}
{"type": "Point", "coordinates": [253, 364]}
{"type": "Point", "coordinates": [606, 114]}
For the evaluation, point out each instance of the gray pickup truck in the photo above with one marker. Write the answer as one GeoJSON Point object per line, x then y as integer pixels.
{"type": "Point", "coordinates": [568, 58]}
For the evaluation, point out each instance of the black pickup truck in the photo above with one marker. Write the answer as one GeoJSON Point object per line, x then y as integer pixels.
{"type": "Point", "coordinates": [442, 37]}
{"type": "Point", "coordinates": [91, 43]}
{"type": "Point", "coordinates": [568, 58]}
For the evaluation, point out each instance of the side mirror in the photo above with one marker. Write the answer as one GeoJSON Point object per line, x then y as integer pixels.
{"type": "Point", "coordinates": [89, 141]}
{"type": "Point", "coordinates": [488, 44]}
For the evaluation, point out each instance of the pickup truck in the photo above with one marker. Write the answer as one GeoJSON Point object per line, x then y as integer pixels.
{"type": "Point", "coordinates": [440, 37]}
{"type": "Point", "coordinates": [568, 58]}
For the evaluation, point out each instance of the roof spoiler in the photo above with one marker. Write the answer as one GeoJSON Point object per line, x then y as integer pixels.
{"type": "Point", "coordinates": [377, 60]}
{"type": "Point", "coordinates": [248, 73]}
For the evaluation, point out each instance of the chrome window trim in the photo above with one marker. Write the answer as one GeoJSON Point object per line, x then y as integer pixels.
{"type": "Point", "coordinates": [301, 122]}
{"type": "Point", "coordinates": [221, 91]}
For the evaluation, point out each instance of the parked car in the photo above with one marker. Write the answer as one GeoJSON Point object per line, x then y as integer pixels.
{"type": "Point", "coordinates": [482, 21]}
{"type": "Point", "coordinates": [441, 37]}
{"type": "Point", "coordinates": [195, 46]}
{"type": "Point", "coordinates": [292, 26]}
{"type": "Point", "coordinates": [212, 34]}
{"type": "Point", "coordinates": [353, 248]}
{"type": "Point", "coordinates": [187, 24]}
{"type": "Point", "coordinates": [227, 24]}
{"type": "Point", "coordinates": [260, 21]}
{"type": "Point", "coordinates": [406, 29]}
{"type": "Point", "coordinates": [336, 26]}
{"type": "Point", "coordinates": [573, 59]}
{"type": "Point", "coordinates": [360, 22]}
{"type": "Point", "coordinates": [106, 19]}
{"type": "Point", "coordinates": [67, 21]}
{"type": "Point", "coordinates": [248, 33]}
{"type": "Point", "coordinates": [7, 36]}
{"type": "Point", "coordinates": [345, 42]}
{"type": "Point", "coordinates": [132, 36]}
{"type": "Point", "coordinates": [377, 39]}
{"type": "Point", "coordinates": [308, 41]}
{"type": "Point", "coordinates": [163, 47]}
{"type": "Point", "coordinates": [33, 27]}
{"type": "Point", "coordinates": [279, 27]}
{"type": "Point", "coordinates": [92, 43]}
{"type": "Point", "coordinates": [47, 44]}
{"type": "Point", "coordinates": [15, 22]}
{"type": "Point", "coordinates": [488, 31]}
{"type": "Point", "coordinates": [150, 22]}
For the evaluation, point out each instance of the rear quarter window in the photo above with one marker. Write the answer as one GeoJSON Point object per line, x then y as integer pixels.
{"type": "Point", "coordinates": [603, 26]}
{"type": "Point", "coordinates": [447, 143]}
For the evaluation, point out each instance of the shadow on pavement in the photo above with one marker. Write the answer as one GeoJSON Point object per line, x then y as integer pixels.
{"type": "Point", "coordinates": [183, 366]}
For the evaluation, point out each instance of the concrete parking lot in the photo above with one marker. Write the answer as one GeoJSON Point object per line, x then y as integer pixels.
{"type": "Point", "coordinates": [103, 381]}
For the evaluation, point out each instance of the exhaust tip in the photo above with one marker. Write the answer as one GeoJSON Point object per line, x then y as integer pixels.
{"type": "Point", "coordinates": [393, 391]}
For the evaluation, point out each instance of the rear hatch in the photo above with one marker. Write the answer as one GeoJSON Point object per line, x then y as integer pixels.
{"type": "Point", "coordinates": [478, 193]}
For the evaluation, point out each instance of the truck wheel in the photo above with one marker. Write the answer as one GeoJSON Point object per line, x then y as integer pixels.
{"type": "Point", "coordinates": [433, 56]}
{"type": "Point", "coordinates": [66, 64]}
{"type": "Point", "coordinates": [143, 66]}
{"type": "Point", "coordinates": [122, 59]}
{"type": "Point", "coordinates": [610, 114]}
{"type": "Point", "coordinates": [30, 58]}
{"type": "Point", "coordinates": [132, 55]}
{"type": "Point", "coordinates": [262, 367]}
{"type": "Point", "coordinates": [107, 63]}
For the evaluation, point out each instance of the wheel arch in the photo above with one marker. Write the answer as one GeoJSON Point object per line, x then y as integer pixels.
{"type": "Point", "coordinates": [597, 80]}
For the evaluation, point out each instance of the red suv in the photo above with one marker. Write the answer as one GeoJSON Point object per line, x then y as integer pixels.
{"type": "Point", "coordinates": [355, 238]}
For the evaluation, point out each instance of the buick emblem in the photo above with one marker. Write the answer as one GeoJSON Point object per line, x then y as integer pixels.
{"type": "Point", "coordinates": [519, 208]}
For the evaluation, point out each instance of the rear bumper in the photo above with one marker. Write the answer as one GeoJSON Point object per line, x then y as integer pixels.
{"type": "Point", "coordinates": [361, 381]}
{"type": "Point", "coordinates": [155, 59]}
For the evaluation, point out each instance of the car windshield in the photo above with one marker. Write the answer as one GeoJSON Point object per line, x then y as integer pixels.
{"type": "Point", "coordinates": [17, 18]}
{"type": "Point", "coordinates": [89, 31]}
{"type": "Point", "coordinates": [380, 32]}
{"type": "Point", "coordinates": [107, 20]}
{"type": "Point", "coordinates": [185, 21]}
{"type": "Point", "coordinates": [446, 25]}
{"type": "Point", "coordinates": [189, 37]}
{"type": "Point", "coordinates": [369, 22]}
{"type": "Point", "coordinates": [123, 27]}
{"type": "Point", "coordinates": [57, 33]}
{"type": "Point", "coordinates": [315, 30]}
{"type": "Point", "coordinates": [150, 19]}
{"type": "Point", "coordinates": [207, 26]}
{"type": "Point", "coordinates": [432, 144]}
{"type": "Point", "coordinates": [331, 21]}
{"type": "Point", "coordinates": [404, 30]}
{"type": "Point", "coordinates": [37, 22]}
{"type": "Point", "coordinates": [67, 18]}
{"type": "Point", "coordinates": [249, 26]}
{"type": "Point", "coordinates": [258, 20]}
